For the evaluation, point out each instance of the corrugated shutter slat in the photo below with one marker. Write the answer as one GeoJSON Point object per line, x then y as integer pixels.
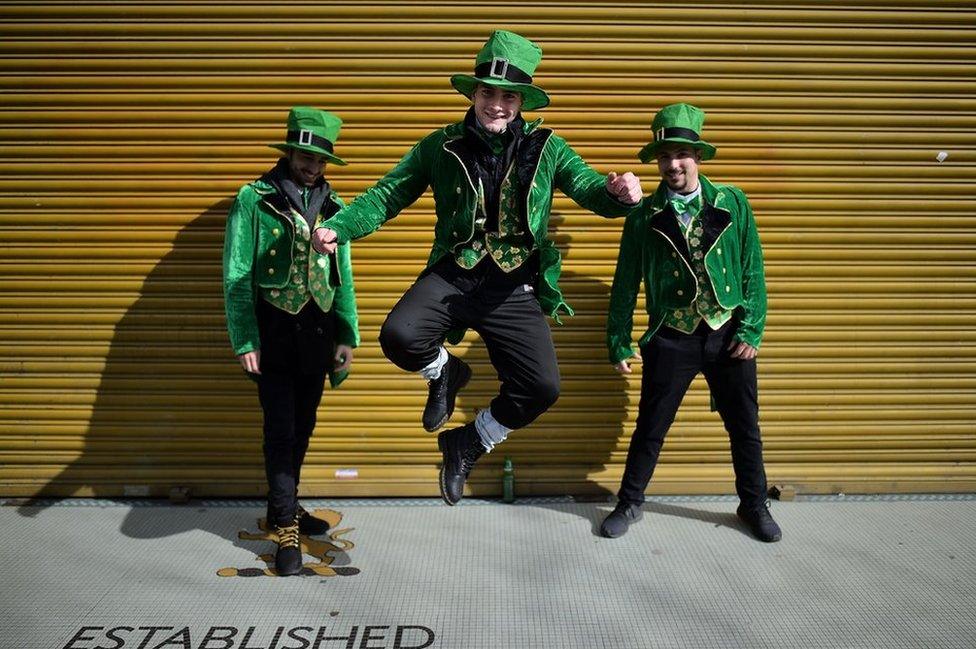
{"type": "Point", "coordinates": [125, 128]}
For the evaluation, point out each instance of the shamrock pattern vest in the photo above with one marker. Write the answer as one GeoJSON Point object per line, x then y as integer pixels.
{"type": "Point", "coordinates": [705, 306]}
{"type": "Point", "coordinates": [507, 247]}
{"type": "Point", "coordinates": [308, 277]}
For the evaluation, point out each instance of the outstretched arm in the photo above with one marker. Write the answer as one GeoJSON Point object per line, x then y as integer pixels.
{"type": "Point", "coordinates": [399, 188]}
{"type": "Point", "coordinates": [611, 195]}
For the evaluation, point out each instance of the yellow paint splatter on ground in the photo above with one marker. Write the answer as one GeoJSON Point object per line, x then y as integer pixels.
{"type": "Point", "coordinates": [322, 549]}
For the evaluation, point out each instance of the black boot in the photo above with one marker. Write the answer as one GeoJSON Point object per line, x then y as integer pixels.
{"type": "Point", "coordinates": [288, 559]}
{"type": "Point", "coordinates": [442, 391]}
{"type": "Point", "coordinates": [308, 524]}
{"type": "Point", "coordinates": [760, 522]}
{"type": "Point", "coordinates": [461, 448]}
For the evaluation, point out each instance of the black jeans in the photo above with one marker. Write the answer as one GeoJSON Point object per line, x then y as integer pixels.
{"type": "Point", "coordinates": [290, 401]}
{"type": "Point", "coordinates": [504, 311]}
{"type": "Point", "coordinates": [296, 351]}
{"type": "Point", "coordinates": [671, 361]}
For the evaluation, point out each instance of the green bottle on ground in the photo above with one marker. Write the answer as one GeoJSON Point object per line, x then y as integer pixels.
{"type": "Point", "coordinates": [508, 481]}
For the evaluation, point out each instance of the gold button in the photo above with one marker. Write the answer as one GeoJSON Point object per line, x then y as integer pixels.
{"type": "Point", "coordinates": [458, 190]}
{"type": "Point", "coordinates": [677, 274]}
{"type": "Point", "coordinates": [271, 271]}
{"type": "Point", "coordinates": [273, 252]}
{"type": "Point", "coordinates": [724, 270]}
{"type": "Point", "coordinates": [276, 232]}
{"type": "Point", "coordinates": [728, 289]}
{"type": "Point", "coordinates": [680, 292]}
{"type": "Point", "coordinates": [674, 254]}
{"type": "Point", "coordinates": [719, 251]}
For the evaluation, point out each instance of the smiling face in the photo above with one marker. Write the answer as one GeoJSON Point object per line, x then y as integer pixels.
{"type": "Point", "coordinates": [678, 164]}
{"type": "Point", "coordinates": [495, 108]}
{"type": "Point", "coordinates": [305, 167]}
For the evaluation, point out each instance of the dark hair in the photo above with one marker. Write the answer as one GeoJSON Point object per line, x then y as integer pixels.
{"type": "Point", "coordinates": [486, 85]}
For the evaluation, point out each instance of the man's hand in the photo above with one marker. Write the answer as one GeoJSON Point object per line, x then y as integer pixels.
{"type": "Point", "coordinates": [625, 188]}
{"type": "Point", "coordinates": [343, 358]}
{"type": "Point", "coordinates": [251, 361]}
{"type": "Point", "coordinates": [742, 350]}
{"type": "Point", "coordinates": [623, 366]}
{"type": "Point", "coordinates": [325, 240]}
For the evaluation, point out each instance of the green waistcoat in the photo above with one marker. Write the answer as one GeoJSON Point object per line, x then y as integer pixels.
{"type": "Point", "coordinates": [507, 247]}
{"type": "Point", "coordinates": [308, 275]}
{"type": "Point", "coordinates": [705, 305]}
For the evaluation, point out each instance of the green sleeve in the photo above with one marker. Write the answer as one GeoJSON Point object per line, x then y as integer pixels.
{"type": "Point", "coordinates": [398, 189]}
{"type": "Point", "coordinates": [344, 305]}
{"type": "Point", "coordinates": [347, 317]}
{"type": "Point", "coordinates": [623, 293]}
{"type": "Point", "coordinates": [582, 183]}
{"type": "Point", "coordinates": [238, 266]}
{"type": "Point", "coordinates": [753, 277]}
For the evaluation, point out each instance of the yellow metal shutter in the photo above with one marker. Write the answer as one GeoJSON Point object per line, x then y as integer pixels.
{"type": "Point", "coordinates": [125, 128]}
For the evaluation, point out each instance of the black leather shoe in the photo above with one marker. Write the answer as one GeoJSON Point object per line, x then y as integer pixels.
{"type": "Point", "coordinates": [308, 524]}
{"type": "Point", "coordinates": [461, 448]}
{"type": "Point", "coordinates": [288, 559]}
{"type": "Point", "coordinates": [621, 518]}
{"type": "Point", "coordinates": [760, 522]}
{"type": "Point", "coordinates": [442, 391]}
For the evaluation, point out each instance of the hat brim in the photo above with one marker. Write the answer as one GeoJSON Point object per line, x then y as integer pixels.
{"type": "Point", "coordinates": [649, 152]}
{"type": "Point", "coordinates": [533, 97]}
{"type": "Point", "coordinates": [331, 157]}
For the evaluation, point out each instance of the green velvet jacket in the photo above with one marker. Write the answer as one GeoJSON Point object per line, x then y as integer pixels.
{"type": "Point", "coordinates": [441, 161]}
{"type": "Point", "coordinates": [652, 248]}
{"type": "Point", "coordinates": [258, 246]}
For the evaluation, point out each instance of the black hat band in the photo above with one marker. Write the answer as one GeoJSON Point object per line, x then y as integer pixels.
{"type": "Point", "coordinates": [501, 69]}
{"type": "Point", "coordinates": [305, 137]}
{"type": "Point", "coordinates": [675, 131]}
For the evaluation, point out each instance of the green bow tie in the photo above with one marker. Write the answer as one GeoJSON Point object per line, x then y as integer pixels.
{"type": "Point", "coordinates": [681, 205]}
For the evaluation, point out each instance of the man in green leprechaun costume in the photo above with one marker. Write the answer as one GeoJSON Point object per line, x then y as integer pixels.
{"type": "Point", "coordinates": [291, 311]}
{"type": "Point", "coordinates": [695, 245]}
{"type": "Point", "coordinates": [493, 267]}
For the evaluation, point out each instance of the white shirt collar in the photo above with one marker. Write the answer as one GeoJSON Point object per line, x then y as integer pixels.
{"type": "Point", "coordinates": [684, 197]}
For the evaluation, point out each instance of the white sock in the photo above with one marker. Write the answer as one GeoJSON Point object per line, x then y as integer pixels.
{"type": "Point", "coordinates": [433, 371]}
{"type": "Point", "coordinates": [489, 430]}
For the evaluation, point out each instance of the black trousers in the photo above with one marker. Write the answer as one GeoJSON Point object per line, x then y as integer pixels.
{"type": "Point", "coordinates": [504, 311]}
{"type": "Point", "coordinates": [296, 351]}
{"type": "Point", "coordinates": [671, 360]}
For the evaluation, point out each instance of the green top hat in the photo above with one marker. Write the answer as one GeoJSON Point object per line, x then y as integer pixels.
{"type": "Point", "coordinates": [677, 124]}
{"type": "Point", "coordinates": [312, 130]}
{"type": "Point", "coordinates": [507, 61]}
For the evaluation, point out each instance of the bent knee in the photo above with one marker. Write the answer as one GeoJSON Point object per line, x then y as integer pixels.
{"type": "Point", "coordinates": [546, 393]}
{"type": "Point", "coordinates": [395, 338]}
{"type": "Point", "coordinates": [404, 347]}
